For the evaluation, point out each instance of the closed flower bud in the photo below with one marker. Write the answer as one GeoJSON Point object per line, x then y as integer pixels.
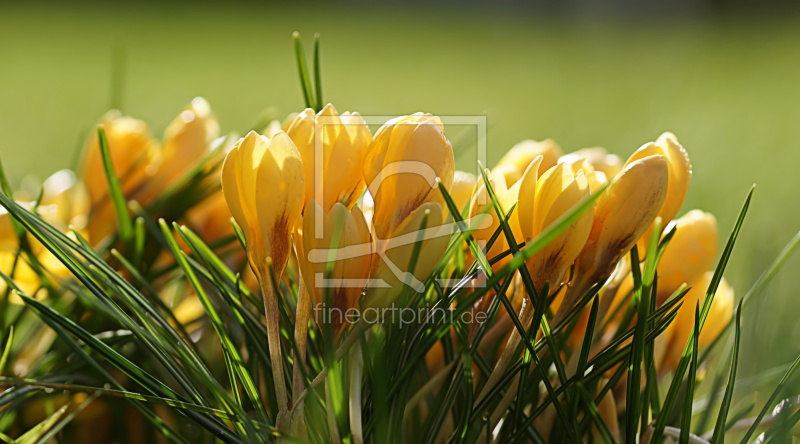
{"type": "Point", "coordinates": [680, 174]}
{"type": "Point", "coordinates": [608, 164]}
{"type": "Point", "coordinates": [423, 229]}
{"type": "Point", "coordinates": [541, 203]}
{"type": "Point", "coordinates": [344, 242]}
{"type": "Point", "coordinates": [621, 215]}
{"type": "Point", "coordinates": [401, 166]}
{"type": "Point", "coordinates": [514, 163]}
{"type": "Point", "coordinates": [692, 250]}
{"type": "Point", "coordinates": [340, 149]}
{"type": "Point", "coordinates": [65, 201]}
{"type": "Point", "coordinates": [678, 332]}
{"type": "Point", "coordinates": [261, 181]}
{"type": "Point", "coordinates": [132, 150]}
{"type": "Point", "coordinates": [186, 141]}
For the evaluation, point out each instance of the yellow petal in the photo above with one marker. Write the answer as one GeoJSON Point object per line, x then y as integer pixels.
{"type": "Point", "coordinates": [401, 167]}
{"type": "Point", "coordinates": [278, 197]}
{"type": "Point", "coordinates": [718, 318]}
{"type": "Point", "coordinates": [514, 163]}
{"type": "Point", "coordinates": [609, 164]}
{"type": "Point", "coordinates": [626, 209]}
{"type": "Point", "coordinates": [692, 250]}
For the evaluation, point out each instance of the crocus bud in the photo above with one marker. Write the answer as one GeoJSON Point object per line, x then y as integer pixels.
{"type": "Point", "coordinates": [677, 333]}
{"type": "Point", "coordinates": [692, 250]}
{"type": "Point", "coordinates": [392, 267]}
{"type": "Point", "coordinates": [65, 201]}
{"type": "Point", "coordinates": [481, 209]}
{"type": "Point", "coordinates": [261, 181]}
{"type": "Point", "coordinates": [186, 141]}
{"type": "Point", "coordinates": [132, 150]}
{"type": "Point", "coordinates": [680, 174]}
{"type": "Point", "coordinates": [608, 164]}
{"type": "Point", "coordinates": [341, 238]}
{"type": "Point", "coordinates": [340, 149]}
{"type": "Point", "coordinates": [401, 166]}
{"type": "Point", "coordinates": [621, 215]}
{"type": "Point", "coordinates": [514, 163]}
{"type": "Point", "coordinates": [542, 202]}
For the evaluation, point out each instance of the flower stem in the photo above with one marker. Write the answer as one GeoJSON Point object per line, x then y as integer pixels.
{"type": "Point", "coordinates": [274, 341]}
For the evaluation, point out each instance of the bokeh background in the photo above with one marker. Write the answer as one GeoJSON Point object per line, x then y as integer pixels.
{"type": "Point", "coordinates": [724, 78]}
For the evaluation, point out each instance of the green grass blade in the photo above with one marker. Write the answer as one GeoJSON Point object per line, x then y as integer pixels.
{"type": "Point", "coordinates": [33, 435]}
{"type": "Point", "coordinates": [686, 417]}
{"type": "Point", "coordinates": [6, 348]}
{"type": "Point", "coordinates": [586, 346]}
{"type": "Point", "coordinates": [230, 352]}
{"type": "Point", "coordinates": [305, 83]}
{"type": "Point", "coordinates": [719, 428]}
{"type": "Point", "coordinates": [683, 364]}
{"type": "Point", "coordinates": [770, 402]}
{"type": "Point", "coordinates": [317, 75]}
{"type": "Point", "coordinates": [114, 188]}
{"type": "Point", "coordinates": [52, 318]}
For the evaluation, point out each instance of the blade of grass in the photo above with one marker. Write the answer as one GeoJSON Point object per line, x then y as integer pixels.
{"type": "Point", "coordinates": [229, 350]}
{"type": "Point", "coordinates": [317, 75]}
{"type": "Point", "coordinates": [636, 409]}
{"type": "Point", "coordinates": [686, 418]}
{"type": "Point", "coordinates": [6, 349]}
{"type": "Point", "coordinates": [771, 401]}
{"type": "Point", "coordinates": [719, 428]}
{"type": "Point", "coordinates": [33, 435]}
{"type": "Point", "coordinates": [672, 393]}
{"type": "Point", "coordinates": [305, 83]}
{"type": "Point", "coordinates": [114, 188]}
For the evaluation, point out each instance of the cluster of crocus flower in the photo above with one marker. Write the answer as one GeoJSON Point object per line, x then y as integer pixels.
{"type": "Point", "coordinates": [302, 193]}
{"type": "Point", "coordinates": [363, 220]}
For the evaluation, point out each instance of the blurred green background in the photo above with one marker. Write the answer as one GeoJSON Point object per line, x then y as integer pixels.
{"type": "Point", "coordinates": [728, 87]}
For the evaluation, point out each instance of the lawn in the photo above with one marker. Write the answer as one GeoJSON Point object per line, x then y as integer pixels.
{"type": "Point", "coordinates": [727, 88]}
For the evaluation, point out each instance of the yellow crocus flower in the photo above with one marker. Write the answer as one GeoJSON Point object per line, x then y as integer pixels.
{"type": "Point", "coordinates": [340, 151]}
{"type": "Point", "coordinates": [344, 242]}
{"type": "Point", "coordinates": [608, 164]}
{"type": "Point", "coordinates": [402, 164]}
{"type": "Point", "coordinates": [514, 163]}
{"type": "Point", "coordinates": [262, 180]}
{"type": "Point", "coordinates": [621, 215]}
{"type": "Point", "coordinates": [691, 251]}
{"type": "Point", "coordinates": [132, 149]}
{"type": "Point", "coordinates": [541, 203]}
{"type": "Point", "coordinates": [186, 141]}
{"type": "Point", "coordinates": [677, 333]}
{"type": "Point", "coordinates": [680, 174]}
{"type": "Point", "coordinates": [424, 228]}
